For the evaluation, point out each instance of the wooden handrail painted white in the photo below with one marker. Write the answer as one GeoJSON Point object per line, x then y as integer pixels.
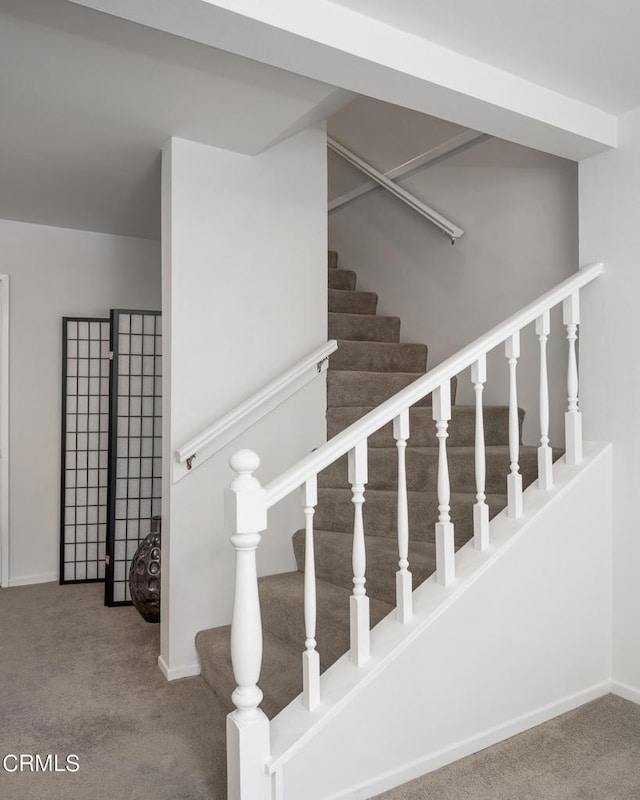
{"type": "Point", "coordinates": [196, 451]}
{"type": "Point", "coordinates": [435, 154]}
{"type": "Point", "coordinates": [445, 225]}
{"type": "Point", "coordinates": [347, 439]}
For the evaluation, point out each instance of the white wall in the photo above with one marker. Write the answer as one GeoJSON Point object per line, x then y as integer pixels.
{"type": "Point", "coordinates": [529, 639]}
{"type": "Point", "coordinates": [55, 272]}
{"type": "Point", "coordinates": [518, 208]}
{"type": "Point", "coordinates": [244, 287]}
{"type": "Point", "coordinates": [610, 377]}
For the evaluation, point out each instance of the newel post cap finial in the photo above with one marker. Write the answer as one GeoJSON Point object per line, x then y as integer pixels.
{"type": "Point", "coordinates": [246, 500]}
{"type": "Point", "coordinates": [244, 463]}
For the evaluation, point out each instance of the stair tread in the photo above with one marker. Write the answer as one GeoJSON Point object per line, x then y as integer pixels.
{"type": "Point", "coordinates": [280, 677]}
{"type": "Point", "coordinates": [380, 357]}
{"type": "Point", "coordinates": [351, 301]}
{"type": "Point", "coordinates": [333, 561]}
{"type": "Point", "coordinates": [282, 613]}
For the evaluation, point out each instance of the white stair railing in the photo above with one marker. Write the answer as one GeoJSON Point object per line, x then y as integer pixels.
{"type": "Point", "coordinates": [247, 505]}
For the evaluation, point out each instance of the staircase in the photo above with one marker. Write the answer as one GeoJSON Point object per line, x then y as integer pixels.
{"type": "Point", "coordinates": [371, 365]}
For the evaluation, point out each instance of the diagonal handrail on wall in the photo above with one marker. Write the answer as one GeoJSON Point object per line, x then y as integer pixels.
{"type": "Point", "coordinates": [446, 226]}
{"type": "Point", "coordinates": [224, 430]}
{"type": "Point", "coordinates": [434, 155]}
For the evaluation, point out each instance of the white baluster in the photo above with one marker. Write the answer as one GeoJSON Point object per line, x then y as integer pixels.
{"type": "Point", "coordinates": [573, 417]}
{"type": "Point", "coordinates": [360, 646]}
{"type": "Point", "coordinates": [248, 746]}
{"type": "Point", "coordinates": [514, 479]}
{"type": "Point", "coordinates": [404, 597]}
{"type": "Point", "coordinates": [310, 657]}
{"type": "Point", "coordinates": [545, 458]}
{"type": "Point", "coordinates": [445, 542]}
{"type": "Point", "coordinates": [480, 508]}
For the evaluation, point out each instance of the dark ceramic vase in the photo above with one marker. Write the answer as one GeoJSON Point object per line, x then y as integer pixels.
{"type": "Point", "coordinates": [144, 575]}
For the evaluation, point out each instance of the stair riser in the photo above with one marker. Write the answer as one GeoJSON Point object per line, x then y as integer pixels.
{"type": "Point", "coordinates": [334, 563]}
{"type": "Point", "coordinates": [462, 428]}
{"type": "Point", "coordinates": [364, 327]}
{"type": "Point", "coordinates": [283, 615]}
{"type": "Point", "coordinates": [345, 302]}
{"type": "Point", "coordinates": [358, 388]}
{"type": "Point", "coordinates": [379, 357]}
{"type": "Point", "coordinates": [342, 279]}
{"type": "Point", "coordinates": [422, 470]}
{"type": "Point", "coordinates": [335, 513]}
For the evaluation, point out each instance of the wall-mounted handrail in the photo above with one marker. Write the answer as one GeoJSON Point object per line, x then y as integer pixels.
{"type": "Point", "coordinates": [435, 155]}
{"type": "Point", "coordinates": [213, 438]}
{"type": "Point", "coordinates": [343, 442]}
{"type": "Point", "coordinates": [445, 225]}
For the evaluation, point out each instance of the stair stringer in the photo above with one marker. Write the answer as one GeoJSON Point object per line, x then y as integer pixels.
{"type": "Point", "coordinates": [522, 635]}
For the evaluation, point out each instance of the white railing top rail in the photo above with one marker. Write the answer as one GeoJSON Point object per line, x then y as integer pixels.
{"type": "Point", "coordinates": [343, 442]}
{"type": "Point", "coordinates": [215, 436]}
{"type": "Point", "coordinates": [445, 225]}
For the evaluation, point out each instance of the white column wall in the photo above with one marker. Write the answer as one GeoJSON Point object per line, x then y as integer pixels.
{"type": "Point", "coordinates": [518, 208]}
{"type": "Point", "coordinates": [244, 287]}
{"type": "Point", "coordinates": [609, 370]}
{"type": "Point", "coordinates": [55, 272]}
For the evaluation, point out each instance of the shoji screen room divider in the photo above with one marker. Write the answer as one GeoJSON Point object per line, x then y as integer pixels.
{"type": "Point", "coordinates": [111, 445]}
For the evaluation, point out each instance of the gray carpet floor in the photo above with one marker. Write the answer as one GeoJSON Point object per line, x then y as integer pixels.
{"type": "Point", "coordinates": [79, 678]}
{"type": "Point", "coordinates": [76, 677]}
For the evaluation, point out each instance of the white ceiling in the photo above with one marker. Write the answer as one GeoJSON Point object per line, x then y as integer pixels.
{"type": "Point", "coordinates": [87, 101]}
{"type": "Point", "coordinates": [585, 49]}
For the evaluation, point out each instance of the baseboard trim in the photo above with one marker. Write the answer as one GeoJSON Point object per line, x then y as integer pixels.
{"type": "Point", "coordinates": [625, 691]}
{"type": "Point", "coordinates": [467, 747]}
{"type": "Point", "coordinates": [174, 673]}
{"type": "Point", "coordinates": [31, 579]}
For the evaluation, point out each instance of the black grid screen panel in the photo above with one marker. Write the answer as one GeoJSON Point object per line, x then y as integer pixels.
{"type": "Point", "coordinates": [85, 448]}
{"type": "Point", "coordinates": [135, 443]}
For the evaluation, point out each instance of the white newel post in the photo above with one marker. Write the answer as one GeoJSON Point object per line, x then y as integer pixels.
{"type": "Point", "coordinates": [445, 542]}
{"type": "Point", "coordinates": [573, 417]}
{"type": "Point", "coordinates": [360, 644]}
{"type": "Point", "coordinates": [310, 657]}
{"type": "Point", "coordinates": [480, 508]}
{"type": "Point", "coordinates": [404, 588]}
{"type": "Point", "coordinates": [545, 458]}
{"type": "Point", "coordinates": [248, 746]}
{"type": "Point", "coordinates": [514, 479]}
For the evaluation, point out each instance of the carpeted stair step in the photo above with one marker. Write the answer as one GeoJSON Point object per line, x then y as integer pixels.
{"type": "Point", "coordinates": [346, 388]}
{"type": "Point", "coordinates": [364, 327]}
{"type": "Point", "coordinates": [422, 468]}
{"type": "Point", "coordinates": [280, 677]}
{"type": "Point", "coordinates": [332, 259]}
{"type": "Point", "coordinates": [334, 512]}
{"type": "Point", "coordinates": [282, 613]}
{"type": "Point", "coordinates": [422, 428]}
{"type": "Point", "coordinates": [343, 301]}
{"type": "Point", "coordinates": [333, 561]}
{"type": "Point", "coordinates": [379, 357]}
{"type": "Point", "coordinates": [342, 279]}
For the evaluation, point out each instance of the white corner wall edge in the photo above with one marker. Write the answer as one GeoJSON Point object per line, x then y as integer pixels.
{"type": "Point", "coordinates": [625, 691]}
{"type": "Point", "coordinates": [523, 635]}
{"type": "Point", "coordinates": [173, 674]}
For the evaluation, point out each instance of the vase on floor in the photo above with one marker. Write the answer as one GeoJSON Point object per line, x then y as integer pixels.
{"type": "Point", "coordinates": [144, 575]}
